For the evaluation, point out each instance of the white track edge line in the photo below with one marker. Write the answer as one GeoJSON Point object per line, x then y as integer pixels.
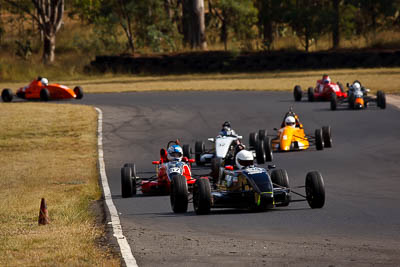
{"type": "Point", "coordinates": [126, 251]}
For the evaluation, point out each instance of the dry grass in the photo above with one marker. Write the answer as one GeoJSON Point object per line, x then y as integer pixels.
{"type": "Point", "coordinates": [49, 151]}
{"type": "Point", "coordinates": [387, 79]}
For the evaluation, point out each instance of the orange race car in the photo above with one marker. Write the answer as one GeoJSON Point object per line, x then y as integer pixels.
{"type": "Point", "coordinates": [42, 90]}
{"type": "Point", "coordinates": [291, 136]}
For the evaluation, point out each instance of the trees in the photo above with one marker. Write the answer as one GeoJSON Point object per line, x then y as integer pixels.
{"type": "Point", "coordinates": [48, 14]}
{"type": "Point", "coordinates": [193, 23]}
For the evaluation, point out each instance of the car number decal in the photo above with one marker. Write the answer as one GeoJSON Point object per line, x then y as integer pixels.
{"type": "Point", "coordinates": [174, 169]}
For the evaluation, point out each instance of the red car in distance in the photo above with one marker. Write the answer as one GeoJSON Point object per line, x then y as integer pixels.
{"type": "Point", "coordinates": [322, 91]}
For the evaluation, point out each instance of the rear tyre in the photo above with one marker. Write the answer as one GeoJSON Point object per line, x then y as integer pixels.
{"type": "Point", "coordinates": [199, 149]}
{"type": "Point", "coordinates": [260, 153]}
{"type": "Point", "coordinates": [179, 196]}
{"type": "Point", "coordinates": [351, 100]}
{"type": "Point", "coordinates": [268, 149]}
{"type": "Point", "coordinates": [315, 190]}
{"type": "Point", "coordinates": [319, 141]}
{"type": "Point", "coordinates": [78, 92]}
{"type": "Point", "coordinates": [310, 94]}
{"type": "Point", "coordinates": [187, 151]}
{"type": "Point", "coordinates": [381, 99]}
{"type": "Point", "coordinates": [326, 135]}
{"type": "Point", "coordinates": [280, 178]}
{"type": "Point", "coordinates": [202, 196]}
{"type": "Point", "coordinates": [297, 93]}
{"type": "Point", "coordinates": [253, 140]}
{"type": "Point", "coordinates": [333, 101]}
{"type": "Point", "coordinates": [126, 182]}
{"type": "Point", "coordinates": [45, 94]}
{"type": "Point", "coordinates": [262, 134]}
{"type": "Point", "coordinates": [6, 95]}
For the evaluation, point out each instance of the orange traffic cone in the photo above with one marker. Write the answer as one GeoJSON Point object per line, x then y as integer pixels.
{"type": "Point", "coordinates": [43, 213]}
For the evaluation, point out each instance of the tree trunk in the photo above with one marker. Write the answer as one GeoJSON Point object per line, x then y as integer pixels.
{"type": "Point", "coordinates": [199, 23]}
{"type": "Point", "coordinates": [186, 20]}
{"type": "Point", "coordinates": [336, 25]}
{"type": "Point", "coordinates": [49, 47]}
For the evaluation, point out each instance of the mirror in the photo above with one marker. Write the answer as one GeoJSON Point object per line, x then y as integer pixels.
{"type": "Point", "coordinates": [229, 168]}
{"type": "Point", "coordinates": [156, 162]}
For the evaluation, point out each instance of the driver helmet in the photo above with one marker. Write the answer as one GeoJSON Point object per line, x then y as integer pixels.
{"type": "Point", "coordinates": [244, 159]}
{"type": "Point", "coordinates": [226, 126]}
{"type": "Point", "coordinates": [326, 79]}
{"type": "Point", "coordinates": [356, 86]}
{"type": "Point", "coordinates": [290, 121]}
{"type": "Point", "coordinates": [175, 153]}
{"type": "Point", "coordinates": [44, 81]}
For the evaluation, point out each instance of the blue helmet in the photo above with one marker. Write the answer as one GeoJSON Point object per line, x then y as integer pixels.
{"type": "Point", "coordinates": [175, 152]}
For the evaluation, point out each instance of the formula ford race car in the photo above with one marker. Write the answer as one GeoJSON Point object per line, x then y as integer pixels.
{"type": "Point", "coordinates": [322, 91]}
{"type": "Point", "coordinates": [165, 175]}
{"type": "Point", "coordinates": [223, 152]}
{"type": "Point", "coordinates": [291, 137]}
{"type": "Point", "coordinates": [39, 89]}
{"type": "Point", "coordinates": [251, 188]}
{"type": "Point", "coordinates": [358, 98]}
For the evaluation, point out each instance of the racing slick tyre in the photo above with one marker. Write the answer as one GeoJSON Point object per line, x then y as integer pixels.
{"type": "Point", "coordinates": [268, 149]}
{"type": "Point", "coordinates": [187, 150]}
{"type": "Point", "coordinates": [315, 190]}
{"type": "Point", "coordinates": [262, 134]}
{"type": "Point", "coordinates": [216, 164]}
{"type": "Point", "coordinates": [44, 94]}
{"type": "Point", "coordinates": [260, 153]}
{"type": "Point", "coordinates": [78, 92]}
{"type": "Point", "coordinates": [202, 196]}
{"type": "Point", "coordinates": [351, 100]}
{"type": "Point", "coordinates": [253, 140]}
{"type": "Point", "coordinates": [333, 101]}
{"type": "Point", "coordinates": [381, 99]}
{"type": "Point", "coordinates": [297, 93]}
{"type": "Point", "coordinates": [199, 148]}
{"type": "Point", "coordinates": [326, 135]}
{"type": "Point", "coordinates": [280, 178]}
{"type": "Point", "coordinates": [6, 95]}
{"type": "Point", "coordinates": [319, 141]}
{"type": "Point", "coordinates": [310, 94]}
{"type": "Point", "coordinates": [126, 182]}
{"type": "Point", "coordinates": [179, 194]}
{"type": "Point", "coordinates": [133, 176]}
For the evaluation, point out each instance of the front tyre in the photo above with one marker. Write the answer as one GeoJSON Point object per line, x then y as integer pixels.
{"type": "Point", "coordinates": [280, 178]}
{"type": "Point", "coordinates": [333, 101]}
{"type": "Point", "coordinates": [319, 141]}
{"type": "Point", "coordinates": [260, 153]}
{"type": "Point", "coordinates": [381, 99]}
{"type": "Point", "coordinates": [187, 151]}
{"type": "Point", "coordinates": [315, 190]}
{"type": "Point", "coordinates": [179, 196]}
{"type": "Point", "coordinates": [78, 92]}
{"type": "Point", "coordinates": [326, 135]}
{"type": "Point", "coordinates": [253, 140]}
{"type": "Point", "coordinates": [297, 93]}
{"type": "Point", "coordinates": [310, 94]}
{"type": "Point", "coordinates": [6, 95]}
{"type": "Point", "coordinates": [45, 94]}
{"type": "Point", "coordinates": [216, 164]}
{"type": "Point", "coordinates": [133, 176]}
{"type": "Point", "coordinates": [202, 196]}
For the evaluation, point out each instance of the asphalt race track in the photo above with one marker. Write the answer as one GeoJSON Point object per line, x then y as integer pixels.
{"type": "Point", "coordinates": [359, 224]}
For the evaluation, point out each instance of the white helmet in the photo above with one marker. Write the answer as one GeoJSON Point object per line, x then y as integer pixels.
{"type": "Point", "coordinates": [326, 79]}
{"type": "Point", "coordinates": [356, 86]}
{"type": "Point", "coordinates": [44, 81]}
{"type": "Point", "coordinates": [244, 159]}
{"type": "Point", "coordinates": [175, 152]}
{"type": "Point", "coordinates": [290, 121]}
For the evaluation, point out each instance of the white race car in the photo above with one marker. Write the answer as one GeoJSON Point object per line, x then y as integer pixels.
{"type": "Point", "coordinates": [222, 152]}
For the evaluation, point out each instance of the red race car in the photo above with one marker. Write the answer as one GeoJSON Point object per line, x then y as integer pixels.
{"type": "Point", "coordinates": [322, 91]}
{"type": "Point", "coordinates": [172, 168]}
{"type": "Point", "coordinates": [41, 89]}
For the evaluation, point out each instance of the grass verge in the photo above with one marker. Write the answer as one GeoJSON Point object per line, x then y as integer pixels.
{"type": "Point", "coordinates": [50, 151]}
{"type": "Point", "coordinates": [386, 79]}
